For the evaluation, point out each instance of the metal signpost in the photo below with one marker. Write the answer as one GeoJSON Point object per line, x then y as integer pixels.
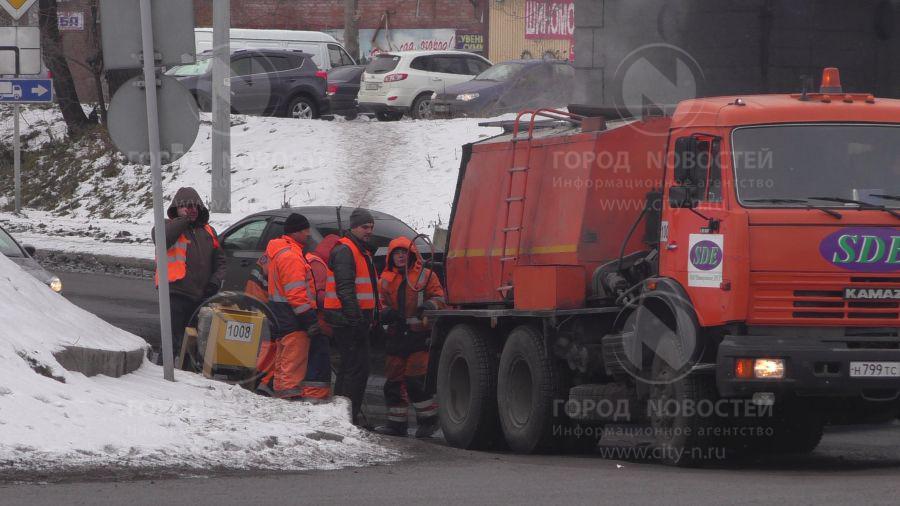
{"type": "Point", "coordinates": [20, 53]}
{"type": "Point", "coordinates": [166, 37]}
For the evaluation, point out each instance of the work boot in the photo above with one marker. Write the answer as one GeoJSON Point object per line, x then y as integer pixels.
{"type": "Point", "coordinates": [391, 430]}
{"type": "Point", "coordinates": [427, 429]}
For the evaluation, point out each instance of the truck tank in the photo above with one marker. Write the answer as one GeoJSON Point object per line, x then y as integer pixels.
{"type": "Point", "coordinates": [544, 207]}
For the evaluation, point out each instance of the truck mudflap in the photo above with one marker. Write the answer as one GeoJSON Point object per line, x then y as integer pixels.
{"type": "Point", "coordinates": [814, 366]}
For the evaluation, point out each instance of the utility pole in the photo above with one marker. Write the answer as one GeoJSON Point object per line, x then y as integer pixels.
{"type": "Point", "coordinates": [351, 28]}
{"type": "Point", "coordinates": [221, 108]}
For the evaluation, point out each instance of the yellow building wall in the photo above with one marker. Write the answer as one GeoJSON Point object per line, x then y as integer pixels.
{"type": "Point", "coordinates": [506, 37]}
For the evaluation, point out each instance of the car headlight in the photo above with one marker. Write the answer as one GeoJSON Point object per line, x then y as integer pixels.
{"type": "Point", "coordinates": [55, 284]}
{"type": "Point", "coordinates": [467, 97]}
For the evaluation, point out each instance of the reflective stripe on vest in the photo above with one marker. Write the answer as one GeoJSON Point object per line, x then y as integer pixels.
{"type": "Point", "coordinates": [177, 256]}
{"type": "Point", "coordinates": [365, 292]}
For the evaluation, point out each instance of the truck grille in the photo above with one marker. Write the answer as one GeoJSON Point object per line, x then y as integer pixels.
{"type": "Point", "coordinates": [787, 298]}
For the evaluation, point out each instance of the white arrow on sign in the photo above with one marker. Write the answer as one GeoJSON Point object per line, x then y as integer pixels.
{"type": "Point", "coordinates": [39, 90]}
{"type": "Point", "coordinates": [16, 8]}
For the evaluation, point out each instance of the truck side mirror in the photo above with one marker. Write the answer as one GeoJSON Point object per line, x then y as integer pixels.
{"type": "Point", "coordinates": [681, 197]}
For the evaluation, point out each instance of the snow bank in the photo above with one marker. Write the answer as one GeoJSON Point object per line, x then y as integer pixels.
{"type": "Point", "coordinates": [405, 168]}
{"type": "Point", "coordinates": [50, 417]}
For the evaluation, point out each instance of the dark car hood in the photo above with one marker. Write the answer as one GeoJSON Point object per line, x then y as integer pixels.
{"type": "Point", "coordinates": [474, 87]}
{"type": "Point", "coordinates": [31, 266]}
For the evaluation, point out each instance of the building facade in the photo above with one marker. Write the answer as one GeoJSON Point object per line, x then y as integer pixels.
{"type": "Point", "coordinates": [531, 29]}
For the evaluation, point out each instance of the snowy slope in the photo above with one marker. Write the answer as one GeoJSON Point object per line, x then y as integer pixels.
{"type": "Point", "coordinates": [64, 419]}
{"type": "Point", "coordinates": [405, 168]}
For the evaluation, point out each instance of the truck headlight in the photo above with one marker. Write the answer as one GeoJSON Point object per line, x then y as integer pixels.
{"type": "Point", "coordinates": [467, 97]}
{"type": "Point", "coordinates": [55, 284]}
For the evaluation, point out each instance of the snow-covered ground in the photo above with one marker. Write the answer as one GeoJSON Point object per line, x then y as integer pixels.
{"type": "Point", "coordinates": [61, 419]}
{"type": "Point", "coordinates": [406, 168]}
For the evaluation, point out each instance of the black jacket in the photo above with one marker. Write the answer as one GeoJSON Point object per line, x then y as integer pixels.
{"type": "Point", "coordinates": [343, 266]}
{"type": "Point", "coordinates": [205, 262]}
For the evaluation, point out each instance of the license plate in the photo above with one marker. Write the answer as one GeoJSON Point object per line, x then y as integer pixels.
{"type": "Point", "coordinates": [441, 108]}
{"type": "Point", "coordinates": [239, 331]}
{"type": "Point", "coordinates": [372, 86]}
{"type": "Point", "coordinates": [875, 369]}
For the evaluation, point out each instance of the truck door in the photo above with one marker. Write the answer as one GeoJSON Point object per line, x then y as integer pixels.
{"type": "Point", "coordinates": [692, 240]}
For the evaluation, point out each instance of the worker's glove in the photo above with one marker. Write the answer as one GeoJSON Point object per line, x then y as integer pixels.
{"type": "Point", "coordinates": [211, 289]}
{"type": "Point", "coordinates": [314, 330]}
{"type": "Point", "coordinates": [390, 316]}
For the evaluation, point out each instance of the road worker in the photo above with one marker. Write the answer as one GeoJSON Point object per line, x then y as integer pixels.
{"type": "Point", "coordinates": [292, 298]}
{"type": "Point", "coordinates": [257, 286]}
{"type": "Point", "coordinates": [318, 376]}
{"type": "Point", "coordinates": [196, 262]}
{"type": "Point", "coordinates": [351, 307]}
{"type": "Point", "coordinates": [408, 289]}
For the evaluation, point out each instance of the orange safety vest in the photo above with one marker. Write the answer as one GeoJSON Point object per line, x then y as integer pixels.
{"type": "Point", "coordinates": [365, 292]}
{"type": "Point", "coordinates": [177, 256]}
{"type": "Point", "coordinates": [296, 288]}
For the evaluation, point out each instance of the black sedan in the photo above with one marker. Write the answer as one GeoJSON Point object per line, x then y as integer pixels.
{"type": "Point", "coordinates": [263, 82]}
{"type": "Point", "coordinates": [245, 241]}
{"type": "Point", "coordinates": [510, 86]}
{"type": "Point", "coordinates": [23, 256]}
{"type": "Point", "coordinates": [343, 87]}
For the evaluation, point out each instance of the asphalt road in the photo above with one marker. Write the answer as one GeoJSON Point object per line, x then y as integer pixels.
{"type": "Point", "coordinates": [850, 467]}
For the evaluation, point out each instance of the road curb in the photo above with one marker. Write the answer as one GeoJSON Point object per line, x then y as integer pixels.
{"type": "Point", "coordinates": [88, 262]}
{"type": "Point", "coordinates": [91, 362]}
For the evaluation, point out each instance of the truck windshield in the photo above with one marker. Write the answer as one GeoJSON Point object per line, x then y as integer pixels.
{"type": "Point", "coordinates": [788, 165]}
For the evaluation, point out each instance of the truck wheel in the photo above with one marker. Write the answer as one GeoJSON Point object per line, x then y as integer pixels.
{"type": "Point", "coordinates": [466, 388]}
{"type": "Point", "coordinates": [526, 388]}
{"type": "Point", "coordinates": [679, 431]}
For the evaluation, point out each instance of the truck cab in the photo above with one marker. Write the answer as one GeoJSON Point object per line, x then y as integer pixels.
{"type": "Point", "coordinates": [728, 273]}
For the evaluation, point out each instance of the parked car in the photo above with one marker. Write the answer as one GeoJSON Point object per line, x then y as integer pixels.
{"type": "Point", "coordinates": [510, 86]}
{"type": "Point", "coordinates": [263, 81]}
{"type": "Point", "coordinates": [326, 51]}
{"type": "Point", "coordinates": [24, 257]}
{"type": "Point", "coordinates": [403, 82]}
{"type": "Point", "coordinates": [245, 241]}
{"type": "Point", "coordinates": [343, 87]}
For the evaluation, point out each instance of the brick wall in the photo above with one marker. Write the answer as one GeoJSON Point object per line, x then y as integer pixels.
{"type": "Point", "coordinates": [329, 14]}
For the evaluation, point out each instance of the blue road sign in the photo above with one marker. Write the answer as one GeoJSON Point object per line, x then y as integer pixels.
{"type": "Point", "coordinates": [23, 91]}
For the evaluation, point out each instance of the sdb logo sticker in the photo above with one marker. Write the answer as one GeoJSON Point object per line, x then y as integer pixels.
{"type": "Point", "coordinates": [863, 249]}
{"type": "Point", "coordinates": [706, 258]}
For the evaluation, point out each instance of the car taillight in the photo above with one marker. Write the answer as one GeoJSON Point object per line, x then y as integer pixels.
{"type": "Point", "coordinates": [332, 89]}
{"type": "Point", "coordinates": [322, 74]}
{"type": "Point", "coordinates": [395, 77]}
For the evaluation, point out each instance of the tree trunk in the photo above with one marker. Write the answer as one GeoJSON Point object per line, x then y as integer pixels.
{"type": "Point", "coordinates": [96, 60]}
{"type": "Point", "coordinates": [351, 28]}
{"type": "Point", "coordinates": [55, 59]}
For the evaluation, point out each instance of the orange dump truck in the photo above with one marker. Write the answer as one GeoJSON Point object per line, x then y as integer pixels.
{"type": "Point", "coordinates": [729, 274]}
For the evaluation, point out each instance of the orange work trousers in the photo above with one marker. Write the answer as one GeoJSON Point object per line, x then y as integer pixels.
{"type": "Point", "coordinates": [291, 360]}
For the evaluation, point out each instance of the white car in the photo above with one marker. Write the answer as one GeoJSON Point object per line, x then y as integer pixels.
{"type": "Point", "coordinates": [403, 82]}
